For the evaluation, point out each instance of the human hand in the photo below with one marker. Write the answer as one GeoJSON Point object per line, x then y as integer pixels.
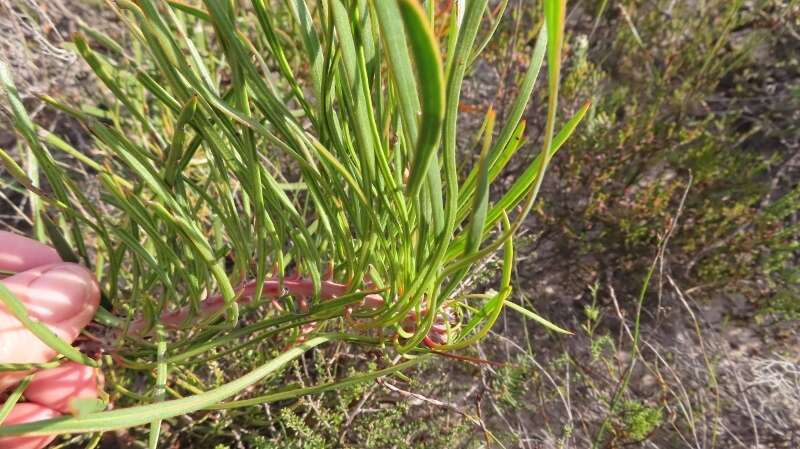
{"type": "Point", "coordinates": [63, 296]}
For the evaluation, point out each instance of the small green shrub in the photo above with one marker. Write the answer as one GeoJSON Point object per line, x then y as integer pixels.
{"type": "Point", "coordinates": [640, 420]}
{"type": "Point", "coordinates": [510, 383]}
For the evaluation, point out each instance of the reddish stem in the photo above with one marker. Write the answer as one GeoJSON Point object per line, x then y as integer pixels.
{"type": "Point", "coordinates": [300, 288]}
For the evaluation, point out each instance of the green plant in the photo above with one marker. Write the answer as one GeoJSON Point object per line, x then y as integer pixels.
{"type": "Point", "coordinates": [510, 382]}
{"type": "Point", "coordinates": [287, 153]}
{"type": "Point", "coordinates": [640, 420]}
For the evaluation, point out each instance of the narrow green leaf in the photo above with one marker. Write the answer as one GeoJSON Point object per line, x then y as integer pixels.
{"type": "Point", "coordinates": [480, 203]}
{"type": "Point", "coordinates": [431, 79]}
{"type": "Point", "coordinates": [365, 144]}
{"type": "Point", "coordinates": [6, 367]}
{"type": "Point", "coordinates": [396, 47]}
{"type": "Point", "coordinates": [523, 183]}
{"type": "Point", "coordinates": [535, 317]}
{"type": "Point", "coordinates": [175, 151]}
{"type": "Point", "coordinates": [312, 43]}
{"type": "Point", "coordinates": [497, 156]}
{"type": "Point", "coordinates": [317, 389]}
{"type": "Point", "coordinates": [59, 242]}
{"type": "Point", "coordinates": [189, 9]}
{"type": "Point", "coordinates": [498, 19]}
{"type": "Point", "coordinates": [17, 172]}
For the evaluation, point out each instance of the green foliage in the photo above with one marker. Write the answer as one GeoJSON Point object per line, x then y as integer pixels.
{"type": "Point", "coordinates": [664, 111]}
{"type": "Point", "coordinates": [509, 383]}
{"type": "Point", "coordinates": [778, 255]}
{"type": "Point", "coordinates": [600, 347]}
{"type": "Point", "coordinates": [300, 435]}
{"type": "Point", "coordinates": [640, 420]}
{"type": "Point", "coordinates": [269, 142]}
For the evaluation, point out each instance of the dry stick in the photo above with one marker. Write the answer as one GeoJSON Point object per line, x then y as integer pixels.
{"type": "Point", "coordinates": [653, 369]}
{"type": "Point", "coordinates": [711, 377]}
{"type": "Point", "coordinates": [687, 407]}
{"type": "Point", "coordinates": [351, 415]}
{"type": "Point", "coordinates": [564, 400]}
{"type": "Point", "coordinates": [448, 405]}
{"type": "Point", "coordinates": [478, 410]}
{"type": "Point", "coordinates": [747, 406]}
{"type": "Point", "coordinates": [16, 208]}
{"type": "Point", "coordinates": [486, 387]}
{"type": "Point", "coordinates": [732, 435]}
{"type": "Point", "coordinates": [613, 294]}
{"type": "Point", "coordinates": [783, 378]}
{"type": "Point", "coordinates": [685, 402]}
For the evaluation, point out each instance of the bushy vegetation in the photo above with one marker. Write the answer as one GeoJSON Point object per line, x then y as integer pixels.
{"type": "Point", "coordinates": [676, 92]}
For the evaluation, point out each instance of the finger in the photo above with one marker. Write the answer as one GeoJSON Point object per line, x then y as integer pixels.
{"type": "Point", "coordinates": [57, 387]}
{"type": "Point", "coordinates": [62, 296]}
{"type": "Point", "coordinates": [23, 413]}
{"type": "Point", "coordinates": [18, 253]}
